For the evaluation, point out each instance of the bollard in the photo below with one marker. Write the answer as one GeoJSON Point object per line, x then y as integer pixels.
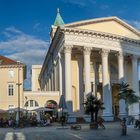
{"type": "Point", "coordinates": [124, 127]}
{"type": "Point", "coordinates": [124, 130]}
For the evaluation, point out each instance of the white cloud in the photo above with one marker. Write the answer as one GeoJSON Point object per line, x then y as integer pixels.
{"type": "Point", "coordinates": [19, 45]}
{"type": "Point", "coordinates": [81, 3]}
{"type": "Point", "coordinates": [12, 29]}
{"type": "Point", "coordinates": [39, 27]}
{"type": "Point", "coordinates": [23, 47]}
{"type": "Point", "coordinates": [36, 25]}
{"type": "Point", "coordinates": [134, 23]}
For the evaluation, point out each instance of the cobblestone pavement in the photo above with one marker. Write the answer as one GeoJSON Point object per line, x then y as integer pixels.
{"type": "Point", "coordinates": [112, 132]}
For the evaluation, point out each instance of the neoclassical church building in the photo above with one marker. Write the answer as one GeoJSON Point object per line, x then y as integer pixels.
{"type": "Point", "coordinates": [92, 56]}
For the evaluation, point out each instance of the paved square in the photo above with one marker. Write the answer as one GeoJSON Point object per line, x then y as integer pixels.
{"type": "Point", "coordinates": [112, 132]}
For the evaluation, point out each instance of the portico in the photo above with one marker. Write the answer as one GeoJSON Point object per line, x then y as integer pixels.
{"type": "Point", "coordinates": [83, 54]}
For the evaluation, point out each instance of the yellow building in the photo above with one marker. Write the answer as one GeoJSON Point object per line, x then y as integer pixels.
{"type": "Point", "coordinates": [35, 74]}
{"type": "Point", "coordinates": [12, 75]}
{"type": "Point", "coordinates": [96, 53]}
{"type": "Point", "coordinates": [37, 99]}
{"type": "Point", "coordinates": [12, 95]}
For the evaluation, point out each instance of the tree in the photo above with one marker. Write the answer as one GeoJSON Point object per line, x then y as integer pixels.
{"type": "Point", "coordinates": [127, 94]}
{"type": "Point", "coordinates": [92, 107]}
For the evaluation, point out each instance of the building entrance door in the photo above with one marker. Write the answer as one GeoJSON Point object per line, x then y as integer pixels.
{"type": "Point", "coordinates": [115, 102]}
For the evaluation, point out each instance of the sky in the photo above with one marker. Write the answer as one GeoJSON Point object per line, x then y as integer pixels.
{"type": "Point", "coordinates": [25, 24]}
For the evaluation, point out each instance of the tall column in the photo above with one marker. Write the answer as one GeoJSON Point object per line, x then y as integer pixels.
{"type": "Point", "coordinates": [135, 84]}
{"type": "Point", "coordinates": [60, 74]}
{"type": "Point", "coordinates": [95, 81]}
{"type": "Point", "coordinates": [87, 71]}
{"type": "Point", "coordinates": [107, 95]}
{"type": "Point", "coordinates": [122, 105]}
{"type": "Point", "coordinates": [49, 83]}
{"type": "Point", "coordinates": [81, 95]}
{"type": "Point", "coordinates": [68, 84]}
{"type": "Point", "coordinates": [54, 76]}
{"type": "Point", "coordinates": [51, 78]}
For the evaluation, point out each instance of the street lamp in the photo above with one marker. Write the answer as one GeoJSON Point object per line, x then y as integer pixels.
{"type": "Point", "coordinates": [26, 104]}
{"type": "Point", "coordinates": [18, 84]}
{"type": "Point", "coordinates": [93, 90]}
{"type": "Point", "coordinates": [92, 87]}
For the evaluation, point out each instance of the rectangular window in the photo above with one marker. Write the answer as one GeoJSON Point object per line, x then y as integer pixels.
{"type": "Point", "coordinates": [11, 73]}
{"type": "Point", "coordinates": [10, 89]}
{"type": "Point", "coordinates": [31, 103]}
{"type": "Point", "coordinates": [11, 106]}
{"type": "Point", "coordinates": [11, 109]}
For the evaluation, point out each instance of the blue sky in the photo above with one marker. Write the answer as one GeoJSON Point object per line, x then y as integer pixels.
{"type": "Point", "coordinates": [25, 24]}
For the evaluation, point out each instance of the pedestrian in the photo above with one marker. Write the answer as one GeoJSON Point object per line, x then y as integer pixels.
{"type": "Point", "coordinates": [100, 122]}
{"type": "Point", "coordinates": [124, 127]}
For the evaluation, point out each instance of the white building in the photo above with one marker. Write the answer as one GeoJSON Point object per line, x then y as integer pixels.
{"type": "Point", "coordinates": [101, 51]}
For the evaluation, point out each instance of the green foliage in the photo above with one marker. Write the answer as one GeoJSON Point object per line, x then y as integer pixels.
{"type": "Point", "coordinates": [126, 93]}
{"type": "Point", "coordinates": [92, 104]}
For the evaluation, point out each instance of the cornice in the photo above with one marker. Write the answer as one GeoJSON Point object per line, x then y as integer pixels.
{"type": "Point", "coordinates": [104, 19]}
{"type": "Point", "coordinates": [103, 43]}
{"type": "Point", "coordinates": [89, 21]}
{"type": "Point", "coordinates": [52, 46]}
{"type": "Point", "coordinates": [12, 66]}
{"type": "Point", "coordinates": [97, 34]}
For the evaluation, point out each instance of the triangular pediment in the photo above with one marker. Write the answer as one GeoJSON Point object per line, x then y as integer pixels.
{"type": "Point", "coordinates": [111, 25]}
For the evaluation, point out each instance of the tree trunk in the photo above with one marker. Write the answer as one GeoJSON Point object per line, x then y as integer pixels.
{"type": "Point", "coordinates": [92, 116]}
{"type": "Point", "coordinates": [127, 109]}
{"type": "Point", "coordinates": [96, 116]}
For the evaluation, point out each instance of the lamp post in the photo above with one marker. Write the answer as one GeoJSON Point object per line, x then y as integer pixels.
{"type": "Point", "coordinates": [93, 91]}
{"type": "Point", "coordinates": [18, 84]}
{"type": "Point", "coordinates": [92, 87]}
{"type": "Point", "coordinates": [26, 106]}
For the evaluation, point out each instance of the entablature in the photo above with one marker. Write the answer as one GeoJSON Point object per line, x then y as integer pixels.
{"type": "Point", "coordinates": [97, 34]}
{"type": "Point", "coordinates": [102, 43]}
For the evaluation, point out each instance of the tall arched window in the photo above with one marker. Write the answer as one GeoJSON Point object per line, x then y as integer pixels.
{"type": "Point", "coordinates": [31, 103]}
{"type": "Point", "coordinates": [51, 104]}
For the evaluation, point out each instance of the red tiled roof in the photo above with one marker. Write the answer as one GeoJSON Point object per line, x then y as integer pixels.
{"type": "Point", "coordinates": [7, 61]}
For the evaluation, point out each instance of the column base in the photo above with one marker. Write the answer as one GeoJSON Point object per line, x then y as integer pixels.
{"type": "Point", "coordinates": [71, 119]}
{"type": "Point", "coordinates": [122, 115]}
{"type": "Point", "coordinates": [108, 117]}
{"type": "Point", "coordinates": [135, 115]}
{"type": "Point", "coordinates": [87, 118]}
{"type": "Point", "coordinates": [134, 110]}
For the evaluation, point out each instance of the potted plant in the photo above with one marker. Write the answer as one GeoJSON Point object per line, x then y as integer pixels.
{"type": "Point", "coordinates": [127, 94]}
{"type": "Point", "coordinates": [92, 107]}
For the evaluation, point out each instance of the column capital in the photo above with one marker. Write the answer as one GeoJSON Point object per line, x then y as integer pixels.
{"type": "Point", "coordinates": [120, 54]}
{"type": "Point", "coordinates": [68, 48]}
{"type": "Point", "coordinates": [104, 52]}
{"type": "Point", "coordinates": [87, 50]}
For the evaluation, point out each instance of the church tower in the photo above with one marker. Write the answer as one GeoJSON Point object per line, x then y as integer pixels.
{"type": "Point", "coordinates": [58, 22]}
